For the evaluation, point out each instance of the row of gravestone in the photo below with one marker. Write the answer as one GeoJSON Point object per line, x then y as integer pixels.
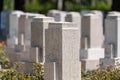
{"type": "Point", "coordinates": [63, 40]}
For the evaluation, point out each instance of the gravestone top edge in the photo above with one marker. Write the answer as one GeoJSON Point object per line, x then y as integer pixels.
{"type": "Point", "coordinates": [62, 25]}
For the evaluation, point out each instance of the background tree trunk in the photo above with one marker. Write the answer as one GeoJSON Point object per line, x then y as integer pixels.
{"type": "Point", "coordinates": [19, 5]}
{"type": "Point", "coordinates": [1, 5]}
{"type": "Point", "coordinates": [115, 5]}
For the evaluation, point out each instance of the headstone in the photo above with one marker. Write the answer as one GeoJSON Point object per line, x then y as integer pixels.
{"type": "Point", "coordinates": [112, 38]}
{"type": "Point", "coordinates": [62, 47]}
{"type": "Point", "coordinates": [22, 24]}
{"type": "Point", "coordinates": [14, 21]}
{"type": "Point", "coordinates": [91, 40]}
{"type": "Point", "coordinates": [25, 26]}
{"type": "Point", "coordinates": [92, 29]}
{"type": "Point", "coordinates": [13, 27]}
{"type": "Point", "coordinates": [75, 18]}
{"type": "Point", "coordinates": [51, 13]}
{"type": "Point", "coordinates": [102, 15]}
{"type": "Point", "coordinates": [38, 26]}
{"type": "Point", "coordinates": [83, 12]}
{"type": "Point", "coordinates": [59, 16]}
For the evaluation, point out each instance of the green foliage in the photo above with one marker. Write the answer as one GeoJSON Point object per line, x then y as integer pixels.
{"type": "Point", "coordinates": [4, 61]}
{"type": "Point", "coordinates": [15, 74]}
{"type": "Point", "coordinates": [110, 73]}
{"type": "Point", "coordinates": [99, 5]}
{"type": "Point", "coordinates": [8, 5]}
{"type": "Point", "coordinates": [39, 7]}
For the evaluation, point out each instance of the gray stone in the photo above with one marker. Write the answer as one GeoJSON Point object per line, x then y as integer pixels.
{"type": "Point", "coordinates": [91, 40]}
{"type": "Point", "coordinates": [25, 26]}
{"type": "Point", "coordinates": [34, 54]}
{"type": "Point", "coordinates": [13, 27]}
{"type": "Point", "coordinates": [38, 26]}
{"type": "Point", "coordinates": [14, 21]}
{"type": "Point", "coordinates": [92, 29]}
{"type": "Point", "coordinates": [112, 39]}
{"type": "Point", "coordinates": [59, 16]}
{"type": "Point", "coordinates": [83, 12]}
{"type": "Point", "coordinates": [75, 18]}
{"type": "Point", "coordinates": [90, 64]}
{"type": "Point", "coordinates": [50, 71]}
{"type": "Point", "coordinates": [62, 47]}
{"type": "Point", "coordinates": [112, 32]}
{"type": "Point", "coordinates": [52, 13]}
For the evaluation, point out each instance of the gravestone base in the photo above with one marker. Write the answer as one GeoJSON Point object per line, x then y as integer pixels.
{"type": "Point", "coordinates": [92, 53]}
{"type": "Point", "coordinates": [34, 54]}
{"type": "Point", "coordinates": [19, 48]}
{"type": "Point", "coordinates": [87, 64]}
{"type": "Point", "coordinates": [110, 62]}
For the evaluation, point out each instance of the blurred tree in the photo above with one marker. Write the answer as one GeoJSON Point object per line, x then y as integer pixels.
{"type": "Point", "coordinates": [19, 5]}
{"type": "Point", "coordinates": [8, 5]}
{"type": "Point", "coordinates": [115, 5]}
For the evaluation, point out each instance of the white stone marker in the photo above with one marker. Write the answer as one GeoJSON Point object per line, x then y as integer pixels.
{"type": "Point", "coordinates": [75, 18]}
{"type": "Point", "coordinates": [25, 25]}
{"type": "Point", "coordinates": [112, 39]}
{"type": "Point", "coordinates": [38, 26]}
{"type": "Point", "coordinates": [51, 13]}
{"type": "Point", "coordinates": [14, 21]}
{"type": "Point", "coordinates": [59, 16]}
{"type": "Point", "coordinates": [62, 47]}
{"type": "Point", "coordinates": [91, 40]}
{"type": "Point", "coordinates": [13, 27]}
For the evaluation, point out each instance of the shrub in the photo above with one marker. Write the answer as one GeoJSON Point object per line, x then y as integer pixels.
{"type": "Point", "coordinates": [14, 74]}
{"type": "Point", "coordinates": [4, 61]}
{"type": "Point", "coordinates": [39, 7]}
{"type": "Point", "coordinates": [110, 73]}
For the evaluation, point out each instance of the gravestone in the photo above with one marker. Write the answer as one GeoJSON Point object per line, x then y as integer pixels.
{"type": "Point", "coordinates": [27, 26]}
{"type": "Point", "coordinates": [83, 12]}
{"type": "Point", "coordinates": [51, 13]}
{"type": "Point", "coordinates": [38, 26]}
{"type": "Point", "coordinates": [75, 18]}
{"type": "Point", "coordinates": [14, 21]}
{"type": "Point", "coordinates": [62, 51]}
{"type": "Point", "coordinates": [59, 16]}
{"type": "Point", "coordinates": [112, 38]}
{"type": "Point", "coordinates": [13, 27]}
{"type": "Point", "coordinates": [22, 23]}
{"type": "Point", "coordinates": [91, 40]}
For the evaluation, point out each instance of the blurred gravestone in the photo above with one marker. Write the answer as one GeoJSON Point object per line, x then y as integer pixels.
{"type": "Point", "coordinates": [112, 40]}
{"type": "Point", "coordinates": [5, 22]}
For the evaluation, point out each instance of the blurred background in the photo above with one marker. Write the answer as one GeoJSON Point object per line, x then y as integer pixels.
{"type": "Point", "coordinates": [42, 7]}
